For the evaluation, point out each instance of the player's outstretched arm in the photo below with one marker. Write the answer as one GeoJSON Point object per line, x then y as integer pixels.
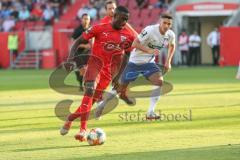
{"type": "Point", "coordinates": [123, 65]}
{"type": "Point", "coordinates": [137, 44]}
{"type": "Point", "coordinates": [171, 50]}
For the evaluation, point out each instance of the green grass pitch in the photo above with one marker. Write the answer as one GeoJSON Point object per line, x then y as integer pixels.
{"type": "Point", "coordinates": [29, 128]}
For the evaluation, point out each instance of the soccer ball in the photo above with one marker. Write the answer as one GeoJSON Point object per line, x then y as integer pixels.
{"type": "Point", "coordinates": [96, 137]}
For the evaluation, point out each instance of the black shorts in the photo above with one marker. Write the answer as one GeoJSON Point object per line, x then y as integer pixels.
{"type": "Point", "coordinates": [81, 60]}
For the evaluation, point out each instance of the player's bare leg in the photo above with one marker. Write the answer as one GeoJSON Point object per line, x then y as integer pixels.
{"type": "Point", "coordinates": [121, 90]}
{"type": "Point", "coordinates": [123, 96]}
{"type": "Point", "coordinates": [157, 80]}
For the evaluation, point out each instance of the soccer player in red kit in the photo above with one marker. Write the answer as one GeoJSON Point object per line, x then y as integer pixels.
{"type": "Point", "coordinates": [110, 6]}
{"type": "Point", "coordinates": [111, 41]}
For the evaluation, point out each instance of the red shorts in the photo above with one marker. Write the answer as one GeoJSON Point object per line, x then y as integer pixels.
{"type": "Point", "coordinates": [95, 72]}
{"type": "Point", "coordinates": [96, 68]}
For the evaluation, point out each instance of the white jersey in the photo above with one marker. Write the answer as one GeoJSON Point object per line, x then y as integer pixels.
{"type": "Point", "coordinates": [152, 38]}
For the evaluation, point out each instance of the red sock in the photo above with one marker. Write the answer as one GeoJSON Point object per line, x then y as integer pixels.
{"type": "Point", "coordinates": [98, 96]}
{"type": "Point", "coordinates": [84, 111]}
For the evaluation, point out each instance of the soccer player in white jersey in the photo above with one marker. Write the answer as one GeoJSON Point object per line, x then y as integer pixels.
{"type": "Point", "coordinates": [142, 60]}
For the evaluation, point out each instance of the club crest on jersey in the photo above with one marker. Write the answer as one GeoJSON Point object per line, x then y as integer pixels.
{"type": "Point", "coordinates": [105, 34]}
{"type": "Point", "coordinates": [123, 38]}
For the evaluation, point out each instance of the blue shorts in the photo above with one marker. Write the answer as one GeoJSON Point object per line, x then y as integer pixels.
{"type": "Point", "coordinates": [133, 70]}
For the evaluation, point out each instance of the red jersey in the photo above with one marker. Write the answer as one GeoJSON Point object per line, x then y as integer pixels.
{"type": "Point", "coordinates": [106, 19]}
{"type": "Point", "coordinates": [109, 42]}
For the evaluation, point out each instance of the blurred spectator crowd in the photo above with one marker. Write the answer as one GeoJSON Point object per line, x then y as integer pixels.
{"type": "Point", "coordinates": [14, 11]}
{"type": "Point", "coordinates": [162, 4]}
{"type": "Point", "coordinates": [96, 8]}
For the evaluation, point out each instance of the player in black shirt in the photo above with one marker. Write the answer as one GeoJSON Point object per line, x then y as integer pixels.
{"type": "Point", "coordinates": [82, 54]}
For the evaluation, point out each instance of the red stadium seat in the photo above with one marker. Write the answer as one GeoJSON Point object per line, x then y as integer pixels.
{"type": "Point", "coordinates": [123, 3]}
{"type": "Point", "coordinates": [30, 25]}
{"type": "Point", "coordinates": [138, 29]}
{"type": "Point", "coordinates": [20, 26]}
{"type": "Point", "coordinates": [153, 1]}
{"type": "Point", "coordinates": [71, 13]}
{"type": "Point", "coordinates": [132, 5]}
{"type": "Point", "coordinates": [145, 13]}
{"type": "Point", "coordinates": [155, 12]}
{"type": "Point", "coordinates": [40, 23]}
{"type": "Point", "coordinates": [149, 21]}
{"type": "Point", "coordinates": [136, 22]}
{"type": "Point", "coordinates": [135, 14]}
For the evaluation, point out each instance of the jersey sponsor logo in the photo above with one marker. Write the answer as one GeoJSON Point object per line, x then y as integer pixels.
{"type": "Point", "coordinates": [152, 46]}
{"type": "Point", "coordinates": [113, 46]}
{"type": "Point", "coordinates": [164, 44]}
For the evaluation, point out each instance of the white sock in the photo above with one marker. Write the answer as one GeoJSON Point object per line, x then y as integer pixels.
{"type": "Point", "coordinates": [238, 73]}
{"type": "Point", "coordinates": [110, 95]}
{"type": "Point", "coordinates": [155, 96]}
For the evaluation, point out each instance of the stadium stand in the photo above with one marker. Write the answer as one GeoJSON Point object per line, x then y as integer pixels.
{"type": "Point", "coordinates": [60, 19]}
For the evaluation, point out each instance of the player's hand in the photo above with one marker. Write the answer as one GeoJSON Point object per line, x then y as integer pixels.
{"type": "Point", "coordinates": [116, 86]}
{"type": "Point", "coordinates": [86, 46]}
{"type": "Point", "coordinates": [69, 66]}
{"type": "Point", "coordinates": [167, 66]}
{"type": "Point", "coordinates": [82, 70]}
{"type": "Point", "coordinates": [154, 51]}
